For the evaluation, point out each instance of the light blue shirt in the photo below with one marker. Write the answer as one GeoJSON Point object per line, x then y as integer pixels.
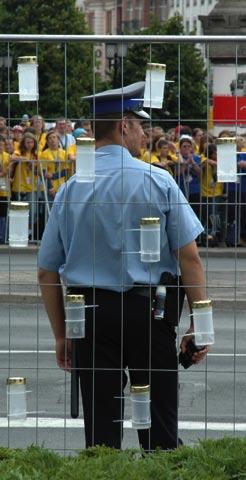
{"type": "Point", "coordinates": [92, 236]}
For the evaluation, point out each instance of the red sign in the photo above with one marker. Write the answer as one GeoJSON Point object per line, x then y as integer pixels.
{"type": "Point", "coordinates": [229, 110]}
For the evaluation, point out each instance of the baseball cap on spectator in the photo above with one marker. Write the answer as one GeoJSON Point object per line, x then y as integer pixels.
{"type": "Point", "coordinates": [25, 117]}
{"type": "Point", "coordinates": [79, 132]}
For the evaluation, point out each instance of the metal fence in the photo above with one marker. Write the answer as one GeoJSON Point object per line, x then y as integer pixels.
{"type": "Point", "coordinates": [211, 395]}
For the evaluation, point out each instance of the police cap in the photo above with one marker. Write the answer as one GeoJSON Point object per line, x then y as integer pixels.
{"type": "Point", "coordinates": [119, 100]}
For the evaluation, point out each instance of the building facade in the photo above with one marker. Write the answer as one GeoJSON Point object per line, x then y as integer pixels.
{"type": "Point", "coordinates": [190, 10]}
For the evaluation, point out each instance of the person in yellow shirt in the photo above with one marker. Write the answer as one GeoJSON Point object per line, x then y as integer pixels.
{"type": "Point", "coordinates": [164, 160]}
{"type": "Point", "coordinates": [17, 135]}
{"type": "Point", "coordinates": [151, 155]}
{"type": "Point", "coordinates": [23, 174]}
{"type": "Point", "coordinates": [53, 163]}
{"type": "Point", "coordinates": [4, 188]}
{"type": "Point", "coordinates": [197, 135]}
{"type": "Point", "coordinates": [213, 200]}
{"type": "Point", "coordinates": [37, 123]}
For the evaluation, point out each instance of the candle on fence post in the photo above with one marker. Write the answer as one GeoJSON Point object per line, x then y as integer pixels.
{"type": "Point", "coordinates": [16, 398]}
{"type": "Point", "coordinates": [150, 239]}
{"type": "Point", "coordinates": [18, 224]}
{"type": "Point", "coordinates": [85, 159]}
{"type": "Point", "coordinates": [28, 79]}
{"type": "Point", "coordinates": [154, 85]}
{"type": "Point", "coordinates": [140, 400]}
{"type": "Point", "coordinates": [226, 159]}
{"type": "Point", "coordinates": [203, 322]}
{"type": "Point", "coordinates": [75, 316]}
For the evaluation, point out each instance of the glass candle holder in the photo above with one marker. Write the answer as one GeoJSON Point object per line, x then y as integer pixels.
{"type": "Point", "coordinates": [154, 85]}
{"type": "Point", "coordinates": [18, 224]}
{"type": "Point", "coordinates": [203, 322]}
{"type": "Point", "coordinates": [140, 400]}
{"type": "Point", "coordinates": [227, 159]}
{"type": "Point", "coordinates": [150, 239]}
{"type": "Point", "coordinates": [16, 398]}
{"type": "Point", "coordinates": [85, 160]}
{"type": "Point", "coordinates": [28, 79]}
{"type": "Point", "coordinates": [75, 316]}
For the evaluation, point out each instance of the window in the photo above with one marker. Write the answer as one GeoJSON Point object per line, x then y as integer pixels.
{"type": "Point", "coordinates": [138, 11]}
{"type": "Point", "coordinates": [195, 25]}
{"type": "Point", "coordinates": [194, 2]}
{"type": "Point", "coordinates": [163, 9]}
{"type": "Point", "coordinates": [187, 3]}
{"type": "Point", "coordinates": [187, 26]}
{"type": "Point", "coordinates": [109, 22]}
{"type": "Point", "coordinates": [91, 21]}
{"type": "Point", "coordinates": [129, 10]}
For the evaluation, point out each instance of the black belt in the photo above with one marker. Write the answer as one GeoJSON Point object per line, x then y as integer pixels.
{"type": "Point", "coordinates": [148, 292]}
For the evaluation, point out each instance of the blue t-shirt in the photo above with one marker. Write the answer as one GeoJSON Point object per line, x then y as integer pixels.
{"type": "Point", "coordinates": [92, 236]}
{"type": "Point", "coordinates": [240, 186]}
{"type": "Point", "coordinates": [189, 181]}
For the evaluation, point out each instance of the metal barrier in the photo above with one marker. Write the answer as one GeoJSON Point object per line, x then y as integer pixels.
{"type": "Point", "coordinates": [211, 399]}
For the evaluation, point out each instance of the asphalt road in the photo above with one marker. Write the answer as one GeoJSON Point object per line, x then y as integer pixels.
{"type": "Point", "coordinates": [212, 395]}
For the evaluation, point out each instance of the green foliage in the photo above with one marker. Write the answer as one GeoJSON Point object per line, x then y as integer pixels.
{"type": "Point", "coordinates": [211, 460]}
{"type": "Point", "coordinates": [184, 66]}
{"type": "Point", "coordinates": [64, 71]}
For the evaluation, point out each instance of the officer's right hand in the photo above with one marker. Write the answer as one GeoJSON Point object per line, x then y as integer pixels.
{"type": "Point", "coordinates": [63, 353]}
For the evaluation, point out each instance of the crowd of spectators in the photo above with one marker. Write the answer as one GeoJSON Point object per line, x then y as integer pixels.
{"type": "Point", "coordinates": [190, 156]}
{"type": "Point", "coordinates": [35, 160]}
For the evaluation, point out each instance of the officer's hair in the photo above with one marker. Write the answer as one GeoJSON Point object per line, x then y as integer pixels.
{"type": "Point", "coordinates": [104, 125]}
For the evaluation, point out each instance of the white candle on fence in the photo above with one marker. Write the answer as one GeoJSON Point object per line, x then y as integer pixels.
{"type": "Point", "coordinates": [16, 398]}
{"type": "Point", "coordinates": [154, 85]}
{"type": "Point", "coordinates": [150, 239]}
{"type": "Point", "coordinates": [85, 159]}
{"type": "Point", "coordinates": [226, 159]}
{"type": "Point", "coordinates": [18, 224]}
{"type": "Point", "coordinates": [203, 322]}
{"type": "Point", "coordinates": [28, 79]}
{"type": "Point", "coordinates": [140, 401]}
{"type": "Point", "coordinates": [75, 316]}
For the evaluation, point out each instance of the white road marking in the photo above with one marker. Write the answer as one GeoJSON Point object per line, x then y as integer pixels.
{"type": "Point", "coordinates": [6, 352]}
{"type": "Point", "coordinates": [49, 422]}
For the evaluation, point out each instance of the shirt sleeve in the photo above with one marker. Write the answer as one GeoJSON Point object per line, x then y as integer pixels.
{"type": "Point", "coordinates": [182, 226]}
{"type": "Point", "coordinates": [51, 253]}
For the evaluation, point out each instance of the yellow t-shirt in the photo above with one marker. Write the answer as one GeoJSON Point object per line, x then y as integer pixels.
{"type": "Point", "coordinates": [72, 150]}
{"type": "Point", "coordinates": [4, 181]}
{"type": "Point", "coordinates": [41, 140]}
{"type": "Point", "coordinates": [141, 153]}
{"type": "Point", "coordinates": [150, 157]}
{"type": "Point", "coordinates": [54, 163]}
{"type": "Point", "coordinates": [25, 175]}
{"type": "Point", "coordinates": [209, 187]}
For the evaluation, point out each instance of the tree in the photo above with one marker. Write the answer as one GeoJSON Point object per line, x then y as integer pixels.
{"type": "Point", "coordinates": [184, 65]}
{"type": "Point", "coordinates": [60, 88]}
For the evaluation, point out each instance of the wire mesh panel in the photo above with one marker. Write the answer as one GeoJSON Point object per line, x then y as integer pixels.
{"type": "Point", "coordinates": [113, 237]}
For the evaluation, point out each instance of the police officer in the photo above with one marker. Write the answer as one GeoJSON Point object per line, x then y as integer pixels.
{"type": "Point", "coordinates": [91, 245]}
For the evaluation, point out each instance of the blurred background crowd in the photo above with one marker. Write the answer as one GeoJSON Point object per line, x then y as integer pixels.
{"type": "Point", "coordinates": [36, 158]}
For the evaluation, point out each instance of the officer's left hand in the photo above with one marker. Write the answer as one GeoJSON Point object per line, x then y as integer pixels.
{"type": "Point", "coordinates": [197, 357]}
{"type": "Point", "coordinates": [63, 353]}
